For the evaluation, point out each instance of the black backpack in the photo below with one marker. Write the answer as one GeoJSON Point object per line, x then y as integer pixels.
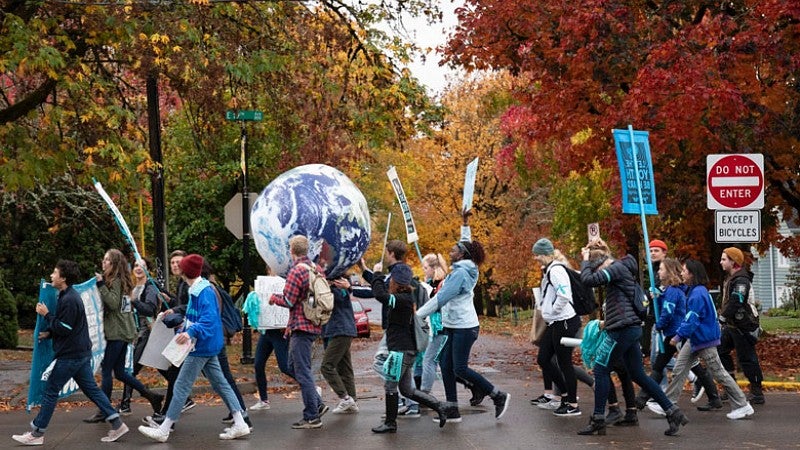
{"type": "Point", "coordinates": [583, 301]}
{"type": "Point", "coordinates": [420, 294]}
{"type": "Point", "coordinates": [640, 302]}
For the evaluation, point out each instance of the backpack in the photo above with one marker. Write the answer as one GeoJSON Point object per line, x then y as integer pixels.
{"type": "Point", "coordinates": [230, 314]}
{"type": "Point", "coordinates": [420, 294]}
{"type": "Point", "coordinates": [640, 302]}
{"type": "Point", "coordinates": [318, 306]}
{"type": "Point", "coordinates": [582, 296]}
{"type": "Point", "coordinates": [745, 317]}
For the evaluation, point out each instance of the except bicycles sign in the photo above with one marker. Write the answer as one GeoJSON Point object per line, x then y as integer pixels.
{"type": "Point", "coordinates": [735, 181]}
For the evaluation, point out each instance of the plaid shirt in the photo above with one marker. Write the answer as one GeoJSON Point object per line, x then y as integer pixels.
{"type": "Point", "coordinates": [294, 294]}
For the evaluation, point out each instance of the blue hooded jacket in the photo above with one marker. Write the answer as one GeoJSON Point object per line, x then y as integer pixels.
{"type": "Point", "coordinates": [673, 309]}
{"type": "Point", "coordinates": [700, 325]}
{"type": "Point", "coordinates": [205, 324]}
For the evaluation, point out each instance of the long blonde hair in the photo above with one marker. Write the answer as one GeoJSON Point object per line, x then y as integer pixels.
{"type": "Point", "coordinates": [437, 262]}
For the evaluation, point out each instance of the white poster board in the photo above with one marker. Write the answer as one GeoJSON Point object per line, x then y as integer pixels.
{"type": "Point", "coordinates": [270, 317]}
{"type": "Point", "coordinates": [160, 337]}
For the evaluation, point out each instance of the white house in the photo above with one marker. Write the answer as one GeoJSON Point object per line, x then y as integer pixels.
{"type": "Point", "coordinates": [771, 270]}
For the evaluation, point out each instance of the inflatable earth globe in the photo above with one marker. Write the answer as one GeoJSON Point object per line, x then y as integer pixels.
{"type": "Point", "coordinates": [320, 203]}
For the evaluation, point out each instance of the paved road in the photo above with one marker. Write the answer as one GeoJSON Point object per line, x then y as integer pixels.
{"type": "Point", "coordinates": [504, 361]}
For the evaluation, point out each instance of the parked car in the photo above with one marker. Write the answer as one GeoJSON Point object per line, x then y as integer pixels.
{"type": "Point", "coordinates": [362, 320]}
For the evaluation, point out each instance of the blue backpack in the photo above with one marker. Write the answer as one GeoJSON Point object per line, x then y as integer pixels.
{"type": "Point", "coordinates": [231, 316]}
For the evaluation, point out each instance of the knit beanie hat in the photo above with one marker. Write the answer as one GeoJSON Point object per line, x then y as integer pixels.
{"type": "Point", "coordinates": [402, 274]}
{"type": "Point", "coordinates": [735, 255]}
{"type": "Point", "coordinates": [658, 243]}
{"type": "Point", "coordinates": [543, 247]}
{"type": "Point", "coordinates": [191, 265]}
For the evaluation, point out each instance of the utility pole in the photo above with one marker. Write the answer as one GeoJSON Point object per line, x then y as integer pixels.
{"type": "Point", "coordinates": [157, 180]}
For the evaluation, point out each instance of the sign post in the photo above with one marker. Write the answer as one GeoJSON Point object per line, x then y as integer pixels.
{"type": "Point", "coordinates": [636, 171]}
{"type": "Point", "coordinates": [242, 117]}
{"type": "Point", "coordinates": [736, 192]}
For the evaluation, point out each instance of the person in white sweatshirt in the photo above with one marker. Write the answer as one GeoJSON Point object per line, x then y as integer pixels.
{"type": "Point", "coordinates": [555, 305]}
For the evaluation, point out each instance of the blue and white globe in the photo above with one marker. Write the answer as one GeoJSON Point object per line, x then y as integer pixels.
{"type": "Point", "coordinates": [316, 201]}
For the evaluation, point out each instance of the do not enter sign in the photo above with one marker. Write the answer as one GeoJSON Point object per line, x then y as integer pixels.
{"type": "Point", "coordinates": [735, 181]}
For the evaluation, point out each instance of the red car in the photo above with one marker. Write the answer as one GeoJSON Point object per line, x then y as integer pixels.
{"type": "Point", "coordinates": [362, 320]}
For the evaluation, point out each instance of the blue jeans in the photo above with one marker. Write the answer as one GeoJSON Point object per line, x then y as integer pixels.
{"type": "Point", "coordinates": [628, 349]}
{"type": "Point", "coordinates": [454, 362]}
{"type": "Point", "coordinates": [114, 360]}
{"type": "Point", "coordinates": [269, 341]}
{"type": "Point", "coordinates": [300, 344]}
{"type": "Point", "coordinates": [190, 370]}
{"type": "Point", "coordinates": [429, 362]}
{"type": "Point", "coordinates": [80, 370]}
{"type": "Point", "coordinates": [226, 372]}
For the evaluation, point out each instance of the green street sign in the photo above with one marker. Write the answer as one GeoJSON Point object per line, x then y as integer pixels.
{"type": "Point", "coordinates": [256, 116]}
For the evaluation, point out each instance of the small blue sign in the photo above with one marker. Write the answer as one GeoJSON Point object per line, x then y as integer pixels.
{"type": "Point", "coordinates": [635, 167]}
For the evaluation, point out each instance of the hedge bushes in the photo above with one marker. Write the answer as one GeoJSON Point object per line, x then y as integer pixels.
{"type": "Point", "coordinates": [8, 318]}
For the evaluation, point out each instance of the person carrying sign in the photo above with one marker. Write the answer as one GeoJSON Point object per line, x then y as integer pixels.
{"type": "Point", "coordinates": [72, 347]}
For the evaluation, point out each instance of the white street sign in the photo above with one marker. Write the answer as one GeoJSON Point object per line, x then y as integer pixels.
{"type": "Point", "coordinates": [737, 226]}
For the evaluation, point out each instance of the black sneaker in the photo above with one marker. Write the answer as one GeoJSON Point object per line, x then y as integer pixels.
{"type": "Point", "coordinates": [477, 396]}
{"type": "Point", "coordinates": [124, 410]}
{"type": "Point", "coordinates": [567, 410]}
{"type": "Point", "coordinates": [188, 405]}
{"type": "Point", "coordinates": [155, 418]}
{"type": "Point", "coordinates": [710, 406]}
{"type": "Point", "coordinates": [452, 413]}
{"type": "Point", "coordinates": [228, 418]}
{"type": "Point", "coordinates": [411, 413]}
{"type": "Point", "coordinates": [542, 399]}
{"type": "Point", "coordinates": [307, 424]}
{"type": "Point", "coordinates": [500, 404]}
{"type": "Point", "coordinates": [323, 408]}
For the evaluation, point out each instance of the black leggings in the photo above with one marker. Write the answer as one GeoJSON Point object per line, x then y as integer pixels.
{"type": "Point", "coordinates": [563, 374]}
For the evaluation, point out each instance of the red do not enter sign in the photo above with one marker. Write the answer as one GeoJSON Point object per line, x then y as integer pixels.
{"type": "Point", "coordinates": [735, 181]}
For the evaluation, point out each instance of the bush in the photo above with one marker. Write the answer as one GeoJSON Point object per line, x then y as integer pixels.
{"type": "Point", "coordinates": [8, 319]}
{"type": "Point", "coordinates": [26, 311]}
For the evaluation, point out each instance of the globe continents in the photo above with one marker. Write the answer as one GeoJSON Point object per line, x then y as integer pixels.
{"type": "Point", "coordinates": [316, 201]}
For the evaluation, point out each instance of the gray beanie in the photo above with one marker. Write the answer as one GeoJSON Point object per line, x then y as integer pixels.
{"type": "Point", "coordinates": [543, 247]}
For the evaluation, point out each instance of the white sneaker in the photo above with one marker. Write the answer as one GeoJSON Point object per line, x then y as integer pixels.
{"type": "Point", "coordinates": [28, 439]}
{"type": "Point", "coordinates": [113, 435]}
{"type": "Point", "coordinates": [741, 413]}
{"type": "Point", "coordinates": [345, 406]}
{"type": "Point", "coordinates": [154, 433]}
{"type": "Point", "coordinates": [261, 405]}
{"type": "Point", "coordinates": [234, 432]}
{"type": "Point", "coordinates": [656, 408]}
{"type": "Point", "coordinates": [552, 405]}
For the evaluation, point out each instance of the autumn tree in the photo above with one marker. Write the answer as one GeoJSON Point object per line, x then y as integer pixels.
{"type": "Point", "coordinates": [702, 78]}
{"type": "Point", "coordinates": [72, 78]}
{"type": "Point", "coordinates": [506, 214]}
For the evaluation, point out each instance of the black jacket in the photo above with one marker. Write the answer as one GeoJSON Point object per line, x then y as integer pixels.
{"type": "Point", "coordinates": [68, 326]}
{"type": "Point", "coordinates": [399, 321]}
{"type": "Point", "coordinates": [620, 279]}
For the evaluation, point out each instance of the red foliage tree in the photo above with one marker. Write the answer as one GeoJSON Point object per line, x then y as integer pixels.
{"type": "Point", "coordinates": [703, 78]}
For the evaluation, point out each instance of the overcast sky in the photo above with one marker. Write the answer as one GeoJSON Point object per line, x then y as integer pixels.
{"type": "Point", "coordinates": [433, 76]}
